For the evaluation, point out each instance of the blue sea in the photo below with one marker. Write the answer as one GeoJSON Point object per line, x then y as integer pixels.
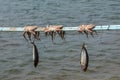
{"type": "Point", "coordinates": [60, 60]}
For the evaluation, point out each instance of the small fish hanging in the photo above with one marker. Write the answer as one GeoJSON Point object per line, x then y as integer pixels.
{"type": "Point", "coordinates": [29, 31]}
{"type": "Point", "coordinates": [53, 29]}
{"type": "Point", "coordinates": [84, 58]}
{"type": "Point", "coordinates": [35, 54]}
{"type": "Point", "coordinates": [87, 29]}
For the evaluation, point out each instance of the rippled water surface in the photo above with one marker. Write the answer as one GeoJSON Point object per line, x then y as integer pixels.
{"type": "Point", "coordinates": [60, 60]}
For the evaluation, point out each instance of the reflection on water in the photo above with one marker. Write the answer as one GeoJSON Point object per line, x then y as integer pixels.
{"type": "Point", "coordinates": [61, 60]}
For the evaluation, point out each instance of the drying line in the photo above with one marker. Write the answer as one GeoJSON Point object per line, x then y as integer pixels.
{"type": "Point", "coordinates": [100, 27]}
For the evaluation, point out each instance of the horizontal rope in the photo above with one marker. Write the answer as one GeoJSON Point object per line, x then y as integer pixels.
{"type": "Point", "coordinates": [100, 27]}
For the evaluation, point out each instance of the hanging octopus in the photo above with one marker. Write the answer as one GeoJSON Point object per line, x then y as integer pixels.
{"type": "Point", "coordinates": [30, 31]}
{"type": "Point", "coordinates": [53, 29]}
{"type": "Point", "coordinates": [87, 29]}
